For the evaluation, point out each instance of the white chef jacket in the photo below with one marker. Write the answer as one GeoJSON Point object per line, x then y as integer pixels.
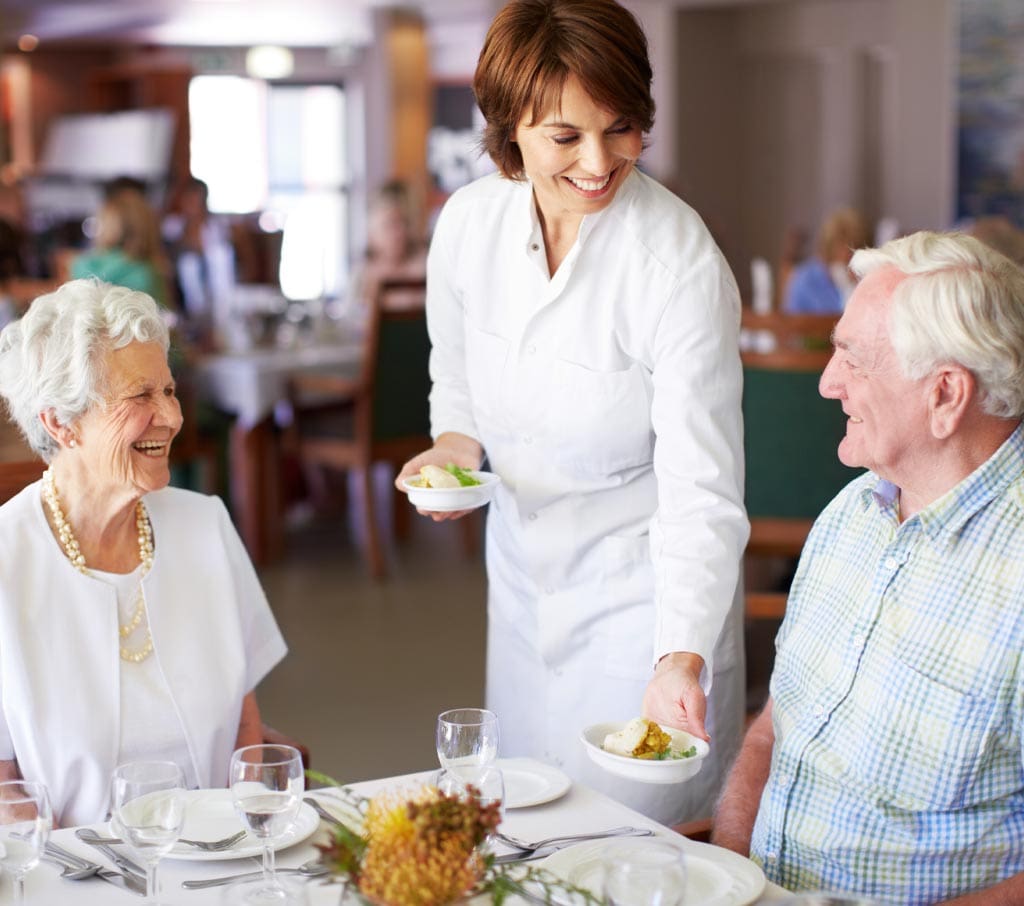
{"type": "Point", "coordinates": [214, 639]}
{"type": "Point", "coordinates": [607, 397]}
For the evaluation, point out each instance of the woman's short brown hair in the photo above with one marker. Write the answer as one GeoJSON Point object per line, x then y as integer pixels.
{"type": "Point", "coordinates": [531, 49]}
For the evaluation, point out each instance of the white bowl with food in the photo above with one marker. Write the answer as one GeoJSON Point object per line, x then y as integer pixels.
{"type": "Point", "coordinates": [450, 489]}
{"type": "Point", "coordinates": [674, 756]}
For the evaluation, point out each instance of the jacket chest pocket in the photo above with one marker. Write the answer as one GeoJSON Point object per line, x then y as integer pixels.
{"type": "Point", "coordinates": [599, 421]}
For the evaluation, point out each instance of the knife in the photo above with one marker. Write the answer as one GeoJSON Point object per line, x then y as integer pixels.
{"type": "Point", "coordinates": [254, 876]}
{"type": "Point", "coordinates": [89, 836]}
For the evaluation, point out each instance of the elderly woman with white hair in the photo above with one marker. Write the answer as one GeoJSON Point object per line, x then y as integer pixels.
{"type": "Point", "coordinates": [132, 623]}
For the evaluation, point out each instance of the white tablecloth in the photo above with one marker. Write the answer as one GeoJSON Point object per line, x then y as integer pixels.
{"type": "Point", "coordinates": [250, 384]}
{"type": "Point", "coordinates": [580, 810]}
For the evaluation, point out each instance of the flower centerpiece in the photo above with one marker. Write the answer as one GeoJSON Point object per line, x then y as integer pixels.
{"type": "Point", "coordinates": [424, 847]}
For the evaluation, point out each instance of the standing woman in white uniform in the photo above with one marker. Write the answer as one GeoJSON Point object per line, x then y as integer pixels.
{"type": "Point", "coordinates": [584, 329]}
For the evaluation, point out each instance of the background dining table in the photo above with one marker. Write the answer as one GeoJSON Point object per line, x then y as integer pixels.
{"type": "Point", "coordinates": [250, 384]}
{"type": "Point", "coordinates": [579, 810]}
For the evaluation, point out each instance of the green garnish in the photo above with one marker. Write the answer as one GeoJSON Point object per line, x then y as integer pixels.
{"type": "Point", "coordinates": [676, 754]}
{"type": "Point", "coordinates": [463, 475]}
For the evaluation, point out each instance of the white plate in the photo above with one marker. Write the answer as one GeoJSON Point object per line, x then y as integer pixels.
{"type": "Point", "coordinates": [448, 500]}
{"type": "Point", "coordinates": [529, 782]}
{"type": "Point", "coordinates": [211, 815]}
{"type": "Point", "coordinates": [646, 770]}
{"type": "Point", "coordinates": [714, 876]}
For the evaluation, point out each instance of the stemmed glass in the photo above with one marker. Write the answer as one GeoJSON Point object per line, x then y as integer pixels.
{"type": "Point", "coordinates": [148, 812]}
{"type": "Point", "coordinates": [267, 785]}
{"type": "Point", "coordinates": [467, 739]}
{"type": "Point", "coordinates": [25, 821]}
{"type": "Point", "coordinates": [644, 873]}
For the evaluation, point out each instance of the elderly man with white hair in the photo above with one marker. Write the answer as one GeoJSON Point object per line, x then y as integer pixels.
{"type": "Point", "coordinates": [889, 761]}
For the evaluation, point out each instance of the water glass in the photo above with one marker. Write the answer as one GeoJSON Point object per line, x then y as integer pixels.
{"type": "Point", "coordinates": [148, 812]}
{"type": "Point", "coordinates": [644, 873]}
{"type": "Point", "coordinates": [467, 738]}
{"type": "Point", "coordinates": [267, 783]}
{"type": "Point", "coordinates": [25, 821]}
{"type": "Point", "coordinates": [487, 780]}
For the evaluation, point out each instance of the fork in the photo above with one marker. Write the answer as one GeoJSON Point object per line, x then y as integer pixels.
{"type": "Point", "coordinates": [206, 846]}
{"type": "Point", "coordinates": [568, 838]}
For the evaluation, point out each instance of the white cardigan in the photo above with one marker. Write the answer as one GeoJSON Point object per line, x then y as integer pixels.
{"type": "Point", "coordinates": [214, 639]}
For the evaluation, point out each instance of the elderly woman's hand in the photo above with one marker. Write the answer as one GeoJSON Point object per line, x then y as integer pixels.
{"type": "Point", "coordinates": [452, 447]}
{"type": "Point", "coordinates": [674, 696]}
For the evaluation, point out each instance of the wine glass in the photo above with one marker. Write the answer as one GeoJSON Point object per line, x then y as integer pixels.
{"type": "Point", "coordinates": [148, 812]}
{"type": "Point", "coordinates": [467, 738]}
{"type": "Point", "coordinates": [267, 785]}
{"type": "Point", "coordinates": [487, 780]}
{"type": "Point", "coordinates": [25, 821]}
{"type": "Point", "coordinates": [644, 873]}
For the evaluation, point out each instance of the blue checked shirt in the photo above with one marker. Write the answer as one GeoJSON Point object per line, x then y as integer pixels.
{"type": "Point", "coordinates": [898, 691]}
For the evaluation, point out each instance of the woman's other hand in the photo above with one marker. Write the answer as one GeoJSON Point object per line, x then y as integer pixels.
{"type": "Point", "coordinates": [450, 447]}
{"type": "Point", "coordinates": [674, 696]}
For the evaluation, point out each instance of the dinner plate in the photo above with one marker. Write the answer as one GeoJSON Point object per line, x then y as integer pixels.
{"type": "Point", "coordinates": [714, 876]}
{"type": "Point", "coordinates": [529, 782]}
{"type": "Point", "coordinates": [449, 500]}
{"type": "Point", "coordinates": [211, 815]}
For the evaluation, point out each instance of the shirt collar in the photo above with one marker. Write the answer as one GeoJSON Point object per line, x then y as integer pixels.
{"type": "Point", "coordinates": [946, 516]}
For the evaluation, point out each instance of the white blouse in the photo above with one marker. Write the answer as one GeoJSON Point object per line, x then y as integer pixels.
{"type": "Point", "coordinates": [214, 639]}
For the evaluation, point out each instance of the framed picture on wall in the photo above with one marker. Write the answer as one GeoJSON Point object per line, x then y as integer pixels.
{"type": "Point", "coordinates": [454, 156]}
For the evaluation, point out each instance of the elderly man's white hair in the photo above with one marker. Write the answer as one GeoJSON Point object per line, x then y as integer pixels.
{"type": "Point", "coordinates": [53, 357]}
{"type": "Point", "coordinates": [961, 302]}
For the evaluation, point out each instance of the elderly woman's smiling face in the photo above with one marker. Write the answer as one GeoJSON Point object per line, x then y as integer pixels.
{"type": "Point", "coordinates": [127, 441]}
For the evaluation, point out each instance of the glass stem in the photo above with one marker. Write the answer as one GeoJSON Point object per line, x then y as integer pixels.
{"type": "Point", "coordinates": [268, 861]}
{"type": "Point", "coordinates": [19, 889]}
{"type": "Point", "coordinates": [152, 891]}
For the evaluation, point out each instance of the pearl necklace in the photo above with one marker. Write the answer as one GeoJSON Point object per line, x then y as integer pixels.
{"type": "Point", "coordinates": [74, 553]}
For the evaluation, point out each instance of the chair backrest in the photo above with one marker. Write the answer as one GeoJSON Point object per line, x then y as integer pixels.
{"type": "Point", "coordinates": [795, 332]}
{"type": "Point", "coordinates": [400, 349]}
{"type": "Point", "coordinates": [14, 476]}
{"type": "Point", "coordinates": [791, 434]}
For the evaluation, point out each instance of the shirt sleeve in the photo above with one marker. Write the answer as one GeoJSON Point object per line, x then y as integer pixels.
{"type": "Point", "coordinates": [450, 403]}
{"type": "Point", "coordinates": [264, 644]}
{"type": "Point", "coordinates": [700, 528]}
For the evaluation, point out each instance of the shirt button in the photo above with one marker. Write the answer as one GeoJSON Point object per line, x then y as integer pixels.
{"type": "Point", "coordinates": [858, 640]}
{"type": "Point", "coordinates": [783, 780]}
{"type": "Point", "coordinates": [819, 712]}
{"type": "Point", "coordinates": [548, 590]}
{"type": "Point", "coordinates": [771, 856]}
{"type": "Point", "coordinates": [532, 517]}
{"type": "Point", "coordinates": [891, 563]}
{"type": "Point", "coordinates": [527, 440]}
{"type": "Point", "coordinates": [532, 349]}
{"type": "Point", "coordinates": [557, 671]}
{"type": "Point", "coordinates": [535, 246]}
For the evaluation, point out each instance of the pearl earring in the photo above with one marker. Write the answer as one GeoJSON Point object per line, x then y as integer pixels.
{"type": "Point", "coordinates": [72, 442]}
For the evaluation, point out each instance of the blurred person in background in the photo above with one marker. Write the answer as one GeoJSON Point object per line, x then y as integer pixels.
{"type": "Point", "coordinates": [127, 249]}
{"type": "Point", "coordinates": [585, 334]}
{"type": "Point", "coordinates": [202, 256]}
{"type": "Point", "coordinates": [395, 250]}
{"type": "Point", "coordinates": [822, 284]}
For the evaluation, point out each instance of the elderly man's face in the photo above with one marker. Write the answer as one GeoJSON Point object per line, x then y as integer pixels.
{"type": "Point", "coordinates": [128, 442]}
{"type": "Point", "coordinates": [887, 429]}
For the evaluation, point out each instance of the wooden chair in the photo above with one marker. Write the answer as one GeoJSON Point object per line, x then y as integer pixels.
{"type": "Point", "coordinates": [15, 476]}
{"type": "Point", "coordinates": [796, 333]}
{"type": "Point", "coordinates": [791, 434]}
{"type": "Point", "coordinates": [380, 416]}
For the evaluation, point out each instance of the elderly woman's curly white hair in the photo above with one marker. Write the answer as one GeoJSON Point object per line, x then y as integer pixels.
{"type": "Point", "coordinates": [961, 302]}
{"type": "Point", "coordinates": [54, 356]}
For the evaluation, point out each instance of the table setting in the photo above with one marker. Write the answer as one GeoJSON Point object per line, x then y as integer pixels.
{"type": "Point", "coordinates": [482, 826]}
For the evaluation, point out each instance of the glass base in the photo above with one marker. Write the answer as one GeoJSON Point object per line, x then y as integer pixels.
{"type": "Point", "coordinates": [283, 892]}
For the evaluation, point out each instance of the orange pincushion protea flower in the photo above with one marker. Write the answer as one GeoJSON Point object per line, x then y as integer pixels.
{"type": "Point", "coordinates": [421, 850]}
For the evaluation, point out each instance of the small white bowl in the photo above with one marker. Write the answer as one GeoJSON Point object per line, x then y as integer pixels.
{"type": "Point", "coordinates": [646, 770]}
{"type": "Point", "coordinates": [448, 500]}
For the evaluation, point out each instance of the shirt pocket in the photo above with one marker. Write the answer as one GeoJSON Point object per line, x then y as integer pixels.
{"type": "Point", "coordinates": [486, 361]}
{"type": "Point", "coordinates": [922, 750]}
{"type": "Point", "coordinates": [627, 585]}
{"type": "Point", "coordinates": [599, 421]}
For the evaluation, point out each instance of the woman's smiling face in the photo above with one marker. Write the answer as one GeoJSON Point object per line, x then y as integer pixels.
{"type": "Point", "coordinates": [127, 442]}
{"type": "Point", "coordinates": [578, 154]}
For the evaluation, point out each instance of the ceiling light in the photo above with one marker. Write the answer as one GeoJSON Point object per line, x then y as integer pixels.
{"type": "Point", "coordinates": [268, 61]}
